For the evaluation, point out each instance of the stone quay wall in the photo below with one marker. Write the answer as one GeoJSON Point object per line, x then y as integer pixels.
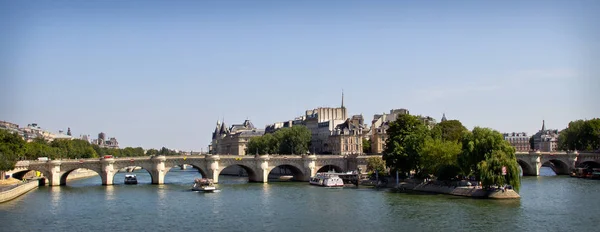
{"type": "Point", "coordinates": [18, 191]}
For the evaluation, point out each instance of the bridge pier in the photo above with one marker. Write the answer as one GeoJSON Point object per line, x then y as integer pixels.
{"type": "Point", "coordinates": [213, 168]}
{"type": "Point", "coordinates": [158, 172]}
{"type": "Point", "coordinates": [54, 178]}
{"type": "Point", "coordinates": [108, 172]}
{"type": "Point", "coordinates": [310, 166]}
{"type": "Point", "coordinates": [263, 170]}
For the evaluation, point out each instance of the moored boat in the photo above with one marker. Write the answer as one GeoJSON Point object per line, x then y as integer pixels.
{"type": "Point", "coordinates": [204, 185]}
{"type": "Point", "coordinates": [130, 179]}
{"type": "Point", "coordinates": [327, 180]}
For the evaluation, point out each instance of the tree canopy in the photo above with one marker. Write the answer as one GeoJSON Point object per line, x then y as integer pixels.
{"type": "Point", "coordinates": [582, 135]}
{"type": "Point", "coordinates": [376, 164]}
{"type": "Point", "coordinates": [12, 146]}
{"type": "Point", "coordinates": [449, 150]}
{"type": "Point", "coordinates": [292, 140]}
{"type": "Point", "coordinates": [406, 137]}
{"type": "Point", "coordinates": [451, 130]}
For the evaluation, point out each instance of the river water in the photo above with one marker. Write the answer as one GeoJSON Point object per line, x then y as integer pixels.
{"type": "Point", "coordinates": [548, 203]}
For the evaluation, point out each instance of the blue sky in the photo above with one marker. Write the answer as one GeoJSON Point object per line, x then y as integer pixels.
{"type": "Point", "coordinates": [161, 73]}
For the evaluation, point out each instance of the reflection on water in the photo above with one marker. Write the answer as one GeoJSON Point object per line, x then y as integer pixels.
{"type": "Point", "coordinates": [55, 197]}
{"type": "Point", "coordinates": [549, 203]}
{"type": "Point", "coordinates": [109, 193]}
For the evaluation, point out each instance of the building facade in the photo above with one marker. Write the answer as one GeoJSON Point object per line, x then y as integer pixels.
{"type": "Point", "coordinates": [346, 138]}
{"type": "Point", "coordinates": [520, 141]}
{"type": "Point", "coordinates": [545, 140]}
{"type": "Point", "coordinates": [233, 140]}
{"type": "Point", "coordinates": [379, 127]}
{"type": "Point", "coordinates": [102, 141]}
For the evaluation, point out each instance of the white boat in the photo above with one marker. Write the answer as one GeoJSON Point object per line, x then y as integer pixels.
{"type": "Point", "coordinates": [204, 185]}
{"type": "Point", "coordinates": [130, 179]}
{"type": "Point", "coordinates": [327, 180]}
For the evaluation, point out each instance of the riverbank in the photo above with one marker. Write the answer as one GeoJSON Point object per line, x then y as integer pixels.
{"type": "Point", "coordinates": [464, 191]}
{"type": "Point", "coordinates": [18, 190]}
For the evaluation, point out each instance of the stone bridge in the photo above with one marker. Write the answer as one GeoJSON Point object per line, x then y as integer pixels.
{"type": "Point", "coordinates": [562, 163]}
{"type": "Point", "coordinates": [210, 166]}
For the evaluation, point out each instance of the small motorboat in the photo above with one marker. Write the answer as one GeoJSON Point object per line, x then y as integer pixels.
{"type": "Point", "coordinates": [130, 179]}
{"type": "Point", "coordinates": [204, 185]}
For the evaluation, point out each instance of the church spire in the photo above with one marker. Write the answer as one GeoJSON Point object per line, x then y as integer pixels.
{"type": "Point", "coordinates": [342, 98]}
{"type": "Point", "coordinates": [543, 125]}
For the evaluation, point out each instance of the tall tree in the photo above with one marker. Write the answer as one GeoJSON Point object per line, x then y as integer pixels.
{"type": "Point", "coordinates": [406, 137]}
{"type": "Point", "coordinates": [12, 146]}
{"type": "Point", "coordinates": [376, 164]}
{"type": "Point", "coordinates": [582, 135]}
{"type": "Point", "coordinates": [294, 140]}
{"type": "Point", "coordinates": [451, 130]}
{"type": "Point", "coordinates": [438, 154]}
{"type": "Point", "coordinates": [484, 152]}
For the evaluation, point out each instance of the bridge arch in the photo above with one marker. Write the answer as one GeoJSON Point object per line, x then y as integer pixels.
{"type": "Point", "coordinates": [65, 175]}
{"type": "Point", "coordinates": [21, 174]}
{"type": "Point", "coordinates": [558, 166]}
{"type": "Point", "coordinates": [252, 174]}
{"type": "Point", "coordinates": [123, 170]}
{"type": "Point", "coordinates": [200, 170]}
{"type": "Point", "coordinates": [527, 169]}
{"type": "Point", "coordinates": [285, 170]}
{"type": "Point", "coordinates": [330, 167]}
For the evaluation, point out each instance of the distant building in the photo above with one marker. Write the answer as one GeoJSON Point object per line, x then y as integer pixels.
{"type": "Point", "coordinates": [520, 141]}
{"type": "Point", "coordinates": [379, 127]}
{"type": "Point", "coordinates": [321, 122]}
{"type": "Point", "coordinates": [545, 140]}
{"type": "Point", "coordinates": [234, 140]}
{"type": "Point", "coordinates": [347, 137]}
{"type": "Point", "coordinates": [380, 124]}
{"type": "Point", "coordinates": [101, 141]}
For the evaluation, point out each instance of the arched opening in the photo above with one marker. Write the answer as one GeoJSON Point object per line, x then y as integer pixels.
{"type": "Point", "coordinates": [286, 173]}
{"type": "Point", "coordinates": [526, 169]}
{"type": "Point", "coordinates": [81, 177]}
{"type": "Point", "coordinates": [28, 174]}
{"type": "Point", "coordinates": [330, 168]}
{"type": "Point", "coordinates": [142, 175]}
{"type": "Point", "coordinates": [184, 174]}
{"type": "Point", "coordinates": [237, 174]}
{"type": "Point", "coordinates": [556, 166]}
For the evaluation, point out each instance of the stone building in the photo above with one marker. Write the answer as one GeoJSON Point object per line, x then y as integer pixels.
{"type": "Point", "coordinates": [102, 141]}
{"type": "Point", "coordinates": [233, 140]}
{"type": "Point", "coordinates": [520, 141]}
{"type": "Point", "coordinates": [379, 127]}
{"type": "Point", "coordinates": [545, 140]}
{"type": "Point", "coordinates": [380, 124]}
{"type": "Point", "coordinates": [347, 137]}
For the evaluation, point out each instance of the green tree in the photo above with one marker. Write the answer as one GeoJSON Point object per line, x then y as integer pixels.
{"type": "Point", "coordinates": [484, 152]}
{"type": "Point", "coordinates": [151, 152]}
{"type": "Point", "coordinates": [583, 135]}
{"type": "Point", "coordinates": [438, 154]}
{"type": "Point", "coordinates": [376, 164]}
{"type": "Point", "coordinates": [366, 145]}
{"type": "Point", "coordinates": [406, 137]}
{"type": "Point", "coordinates": [293, 140]}
{"type": "Point", "coordinates": [451, 130]}
{"type": "Point", "coordinates": [490, 170]}
{"type": "Point", "coordinates": [12, 146]}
